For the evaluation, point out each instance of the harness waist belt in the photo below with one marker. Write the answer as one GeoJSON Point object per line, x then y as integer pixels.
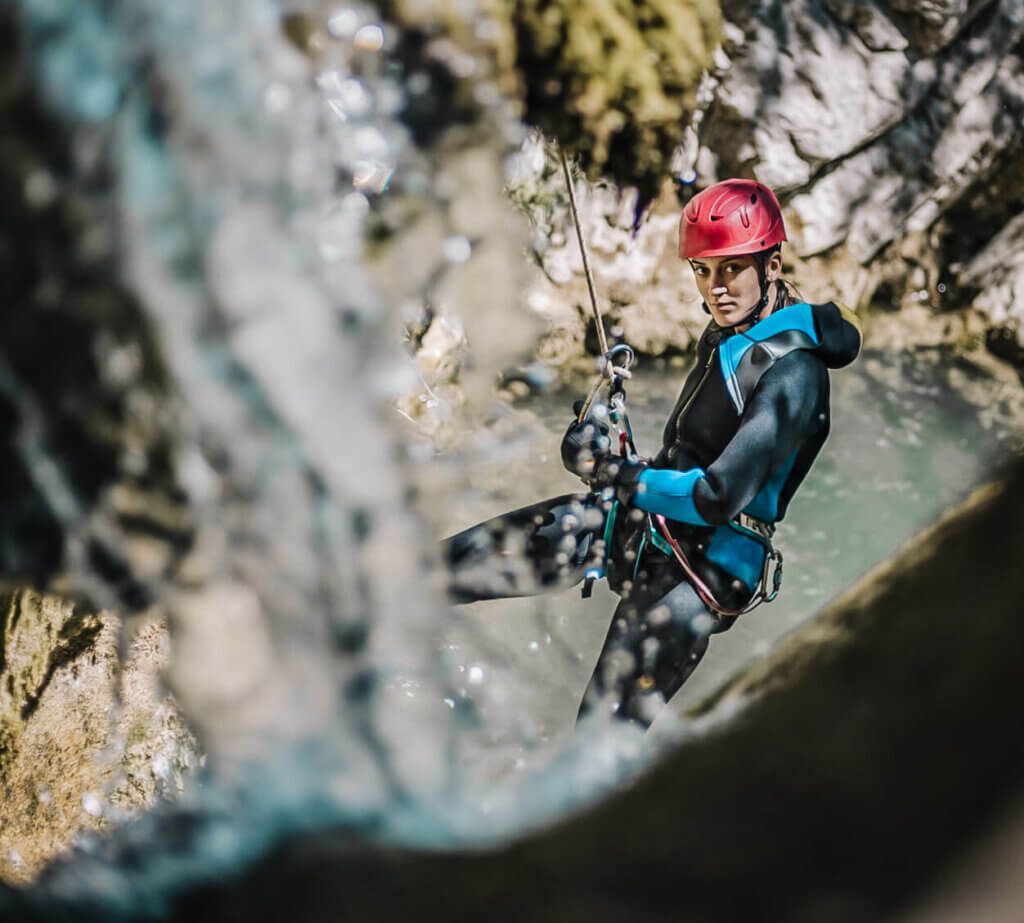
{"type": "Point", "coordinates": [759, 526]}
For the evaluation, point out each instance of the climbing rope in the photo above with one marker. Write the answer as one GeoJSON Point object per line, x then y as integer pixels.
{"type": "Point", "coordinates": [615, 374]}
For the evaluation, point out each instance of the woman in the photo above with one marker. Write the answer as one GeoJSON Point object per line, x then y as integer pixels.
{"type": "Point", "coordinates": [685, 536]}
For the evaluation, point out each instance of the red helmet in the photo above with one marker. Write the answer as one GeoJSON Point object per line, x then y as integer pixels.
{"type": "Point", "coordinates": [733, 217]}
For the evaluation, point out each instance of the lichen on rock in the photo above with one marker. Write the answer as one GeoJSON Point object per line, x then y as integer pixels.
{"type": "Point", "coordinates": [82, 737]}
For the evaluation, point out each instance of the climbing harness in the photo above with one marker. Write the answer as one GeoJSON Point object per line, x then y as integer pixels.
{"type": "Point", "coordinates": [771, 570]}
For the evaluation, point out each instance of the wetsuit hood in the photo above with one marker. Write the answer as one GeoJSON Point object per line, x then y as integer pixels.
{"type": "Point", "coordinates": [826, 331]}
{"type": "Point", "coordinates": [838, 333]}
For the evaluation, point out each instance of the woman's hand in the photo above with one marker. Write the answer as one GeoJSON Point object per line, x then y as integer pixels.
{"type": "Point", "coordinates": [584, 446]}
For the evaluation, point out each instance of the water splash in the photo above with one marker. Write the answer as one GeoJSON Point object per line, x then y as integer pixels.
{"type": "Point", "coordinates": [275, 215]}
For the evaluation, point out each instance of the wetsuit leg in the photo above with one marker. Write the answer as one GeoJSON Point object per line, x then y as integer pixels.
{"type": "Point", "coordinates": [657, 637]}
{"type": "Point", "coordinates": [531, 550]}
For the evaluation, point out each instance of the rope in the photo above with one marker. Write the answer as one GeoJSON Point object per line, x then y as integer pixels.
{"type": "Point", "coordinates": [601, 337]}
{"type": "Point", "coordinates": [608, 369]}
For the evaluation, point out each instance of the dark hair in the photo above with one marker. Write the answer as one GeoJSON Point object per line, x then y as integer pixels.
{"type": "Point", "coordinates": [786, 293]}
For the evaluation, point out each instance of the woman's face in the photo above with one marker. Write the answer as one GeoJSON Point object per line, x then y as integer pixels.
{"type": "Point", "coordinates": [730, 285]}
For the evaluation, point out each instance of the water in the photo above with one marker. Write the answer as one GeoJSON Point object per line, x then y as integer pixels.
{"type": "Point", "coordinates": [912, 434]}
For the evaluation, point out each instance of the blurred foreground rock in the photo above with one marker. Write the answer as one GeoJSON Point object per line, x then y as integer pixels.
{"type": "Point", "coordinates": [83, 736]}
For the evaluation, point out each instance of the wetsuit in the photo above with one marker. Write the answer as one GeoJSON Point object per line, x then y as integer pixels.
{"type": "Point", "coordinates": [750, 420]}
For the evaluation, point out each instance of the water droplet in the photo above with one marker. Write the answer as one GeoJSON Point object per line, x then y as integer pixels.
{"type": "Point", "coordinates": [329, 81]}
{"type": "Point", "coordinates": [476, 675]}
{"type": "Point", "coordinates": [277, 97]}
{"type": "Point", "coordinates": [487, 94]}
{"type": "Point", "coordinates": [343, 24]}
{"type": "Point", "coordinates": [418, 83]}
{"type": "Point", "coordinates": [354, 97]}
{"type": "Point", "coordinates": [457, 249]}
{"type": "Point", "coordinates": [369, 38]}
{"type": "Point", "coordinates": [370, 176]}
{"type": "Point", "coordinates": [40, 189]}
{"type": "Point", "coordinates": [355, 203]}
{"type": "Point", "coordinates": [702, 624]}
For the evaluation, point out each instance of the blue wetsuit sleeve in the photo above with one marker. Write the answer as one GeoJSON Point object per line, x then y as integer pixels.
{"type": "Point", "coordinates": [670, 493]}
{"type": "Point", "coordinates": [785, 409]}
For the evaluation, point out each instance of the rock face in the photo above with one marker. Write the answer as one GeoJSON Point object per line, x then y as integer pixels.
{"type": "Point", "coordinates": [646, 295]}
{"type": "Point", "coordinates": [893, 132]}
{"type": "Point", "coordinates": [86, 441]}
{"type": "Point", "coordinates": [82, 736]}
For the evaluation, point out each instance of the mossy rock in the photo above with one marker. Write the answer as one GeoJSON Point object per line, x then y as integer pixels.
{"type": "Point", "coordinates": [615, 81]}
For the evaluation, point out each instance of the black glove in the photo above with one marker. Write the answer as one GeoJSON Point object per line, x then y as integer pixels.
{"type": "Point", "coordinates": [584, 445]}
{"type": "Point", "coordinates": [618, 472]}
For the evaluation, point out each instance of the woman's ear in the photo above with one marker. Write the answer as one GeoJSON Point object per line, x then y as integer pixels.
{"type": "Point", "coordinates": [773, 268]}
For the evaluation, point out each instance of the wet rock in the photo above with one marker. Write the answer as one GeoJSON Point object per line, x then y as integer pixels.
{"type": "Point", "coordinates": [84, 402]}
{"type": "Point", "coordinates": [997, 273]}
{"type": "Point", "coordinates": [799, 91]}
{"type": "Point", "coordinates": [870, 23]}
{"type": "Point", "coordinates": [646, 295]}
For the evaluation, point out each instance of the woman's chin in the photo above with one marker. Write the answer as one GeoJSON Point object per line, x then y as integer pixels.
{"type": "Point", "coordinates": [729, 316]}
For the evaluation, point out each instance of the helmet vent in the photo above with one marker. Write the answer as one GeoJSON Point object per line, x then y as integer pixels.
{"type": "Point", "coordinates": [753, 199]}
